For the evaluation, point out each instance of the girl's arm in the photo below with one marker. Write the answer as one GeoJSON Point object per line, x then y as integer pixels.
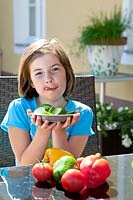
{"type": "Point", "coordinates": [74, 144]}
{"type": "Point", "coordinates": [25, 150]}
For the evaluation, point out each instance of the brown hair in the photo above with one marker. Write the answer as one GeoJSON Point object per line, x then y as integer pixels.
{"type": "Point", "coordinates": [35, 50]}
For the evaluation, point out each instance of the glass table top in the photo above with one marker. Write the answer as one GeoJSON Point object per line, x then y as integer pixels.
{"type": "Point", "coordinates": [18, 183]}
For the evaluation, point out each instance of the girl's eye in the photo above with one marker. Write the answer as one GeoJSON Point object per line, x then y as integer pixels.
{"type": "Point", "coordinates": [55, 69]}
{"type": "Point", "coordinates": [38, 73]}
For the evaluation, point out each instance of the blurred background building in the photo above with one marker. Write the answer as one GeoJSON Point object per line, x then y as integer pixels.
{"type": "Point", "coordinates": [23, 22]}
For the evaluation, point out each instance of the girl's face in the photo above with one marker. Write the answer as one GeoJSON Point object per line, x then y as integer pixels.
{"type": "Point", "coordinates": [48, 78]}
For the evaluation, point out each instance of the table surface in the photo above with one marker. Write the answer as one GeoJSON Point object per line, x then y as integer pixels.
{"type": "Point", "coordinates": [119, 77]}
{"type": "Point", "coordinates": [18, 183]}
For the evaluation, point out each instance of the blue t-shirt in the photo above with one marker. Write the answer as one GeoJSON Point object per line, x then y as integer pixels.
{"type": "Point", "coordinates": [16, 116]}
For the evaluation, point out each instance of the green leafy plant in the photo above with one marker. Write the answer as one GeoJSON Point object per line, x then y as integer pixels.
{"type": "Point", "coordinates": [104, 28]}
{"type": "Point", "coordinates": [110, 118]}
{"type": "Point", "coordinates": [51, 110]}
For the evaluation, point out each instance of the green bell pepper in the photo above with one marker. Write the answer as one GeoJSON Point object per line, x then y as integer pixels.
{"type": "Point", "coordinates": [62, 165]}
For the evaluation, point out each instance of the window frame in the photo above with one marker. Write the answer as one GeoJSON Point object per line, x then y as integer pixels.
{"type": "Point", "coordinates": [127, 57]}
{"type": "Point", "coordinates": [22, 38]}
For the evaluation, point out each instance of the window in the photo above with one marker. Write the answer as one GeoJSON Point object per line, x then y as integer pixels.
{"type": "Point", "coordinates": [29, 22]}
{"type": "Point", "coordinates": [127, 58]}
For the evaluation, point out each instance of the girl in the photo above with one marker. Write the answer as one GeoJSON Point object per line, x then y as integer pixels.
{"type": "Point", "coordinates": [45, 77]}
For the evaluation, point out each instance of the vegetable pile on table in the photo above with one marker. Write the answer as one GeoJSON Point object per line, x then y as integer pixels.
{"type": "Point", "coordinates": [75, 175]}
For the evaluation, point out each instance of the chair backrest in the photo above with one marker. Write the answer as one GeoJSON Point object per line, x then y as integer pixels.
{"type": "Point", "coordinates": [8, 92]}
{"type": "Point", "coordinates": [84, 92]}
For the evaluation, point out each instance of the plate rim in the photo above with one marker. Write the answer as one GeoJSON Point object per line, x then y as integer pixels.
{"type": "Point", "coordinates": [52, 115]}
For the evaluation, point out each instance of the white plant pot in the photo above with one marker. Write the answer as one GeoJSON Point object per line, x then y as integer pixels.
{"type": "Point", "coordinates": [104, 59]}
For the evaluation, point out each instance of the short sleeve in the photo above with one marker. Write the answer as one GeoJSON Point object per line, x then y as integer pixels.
{"type": "Point", "coordinates": [84, 125]}
{"type": "Point", "coordinates": [16, 116]}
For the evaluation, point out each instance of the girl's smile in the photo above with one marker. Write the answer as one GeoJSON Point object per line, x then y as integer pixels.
{"type": "Point", "coordinates": [49, 89]}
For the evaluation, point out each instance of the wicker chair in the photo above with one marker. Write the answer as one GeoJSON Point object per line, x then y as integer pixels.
{"type": "Point", "coordinates": [8, 92]}
{"type": "Point", "coordinates": [84, 91]}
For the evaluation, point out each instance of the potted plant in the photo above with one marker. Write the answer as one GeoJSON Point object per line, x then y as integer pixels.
{"type": "Point", "coordinates": [103, 37]}
{"type": "Point", "coordinates": [115, 127]}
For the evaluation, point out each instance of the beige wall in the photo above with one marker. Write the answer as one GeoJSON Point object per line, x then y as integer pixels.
{"type": "Point", "coordinates": [10, 60]}
{"type": "Point", "coordinates": [64, 18]}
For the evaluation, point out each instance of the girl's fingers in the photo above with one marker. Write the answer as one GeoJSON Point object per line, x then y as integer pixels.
{"type": "Point", "coordinates": [29, 112]}
{"type": "Point", "coordinates": [70, 121]}
{"type": "Point", "coordinates": [48, 125]}
{"type": "Point", "coordinates": [75, 118]}
{"type": "Point", "coordinates": [38, 120]}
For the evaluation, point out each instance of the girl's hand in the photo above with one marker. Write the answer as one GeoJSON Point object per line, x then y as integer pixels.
{"type": "Point", "coordinates": [37, 120]}
{"type": "Point", "coordinates": [69, 122]}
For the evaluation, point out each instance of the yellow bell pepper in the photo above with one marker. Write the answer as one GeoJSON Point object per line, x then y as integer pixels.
{"type": "Point", "coordinates": [53, 154]}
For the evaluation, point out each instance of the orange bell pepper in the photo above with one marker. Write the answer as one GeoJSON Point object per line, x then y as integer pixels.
{"type": "Point", "coordinates": [53, 154]}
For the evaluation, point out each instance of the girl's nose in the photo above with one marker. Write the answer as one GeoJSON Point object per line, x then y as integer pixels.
{"type": "Point", "coordinates": [48, 78]}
